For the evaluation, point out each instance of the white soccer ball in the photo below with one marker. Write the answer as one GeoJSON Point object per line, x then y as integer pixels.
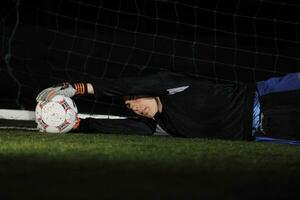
{"type": "Point", "coordinates": [59, 115]}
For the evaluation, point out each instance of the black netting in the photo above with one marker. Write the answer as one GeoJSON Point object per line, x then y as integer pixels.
{"type": "Point", "coordinates": [47, 42]}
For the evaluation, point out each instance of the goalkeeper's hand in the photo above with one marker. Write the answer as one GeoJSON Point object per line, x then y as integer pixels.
{"type": "Point", "coordinates": [65, 89]}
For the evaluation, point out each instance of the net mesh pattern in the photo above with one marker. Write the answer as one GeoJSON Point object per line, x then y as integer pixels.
{"type": "Point", "coordinates": [48, 42]}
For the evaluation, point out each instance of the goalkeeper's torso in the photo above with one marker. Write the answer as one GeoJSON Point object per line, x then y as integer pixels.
{"type": "Point", "coordinates": [206, 109]}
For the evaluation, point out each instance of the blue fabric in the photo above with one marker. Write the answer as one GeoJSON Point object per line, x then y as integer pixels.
{"type": "Point", "coordinates": [277, 141]}
{"type": "Point", "coordinates": [277, 84]}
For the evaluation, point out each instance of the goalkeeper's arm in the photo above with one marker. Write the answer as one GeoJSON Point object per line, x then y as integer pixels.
{"type": "Point", "coordinates": [90, 88]}
{"type": "Point", "coordinates": [66, 89]}
{"type": "Point", "coordinates": [158, 84]}
{"type": "Point", "coordinates": [83, 88]}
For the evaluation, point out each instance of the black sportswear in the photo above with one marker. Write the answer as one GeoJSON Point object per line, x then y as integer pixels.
{"type": "Point", "coordinates": [192, 107]}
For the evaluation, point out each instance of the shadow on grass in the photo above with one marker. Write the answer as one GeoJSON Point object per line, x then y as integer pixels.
{"type": "Point", "coordinates": [43, 178]}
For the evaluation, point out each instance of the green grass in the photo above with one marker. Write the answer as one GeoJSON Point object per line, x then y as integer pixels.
{"type": "Point", "coordinates": [81, 166]}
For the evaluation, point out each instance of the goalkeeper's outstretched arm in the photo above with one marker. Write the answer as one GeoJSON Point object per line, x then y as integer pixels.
{"type": "Point", "coordinates": [152, 85]}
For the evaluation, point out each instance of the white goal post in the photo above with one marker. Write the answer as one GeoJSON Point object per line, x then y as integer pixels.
{"type": "Point", "coordinates": [29, 115]}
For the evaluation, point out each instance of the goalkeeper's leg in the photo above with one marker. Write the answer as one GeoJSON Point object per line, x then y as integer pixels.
{"type": "Point", "coordinates": [279, 84]}
{"type": "Point", "coordinates": [279, 99]}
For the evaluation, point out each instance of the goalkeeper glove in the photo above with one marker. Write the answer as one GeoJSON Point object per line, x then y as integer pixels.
{"type": "Point", "coordinates": [65, 89]}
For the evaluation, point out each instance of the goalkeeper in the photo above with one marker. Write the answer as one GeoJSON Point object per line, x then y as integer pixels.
{"type": "Point", "coordinates": [185, 106]}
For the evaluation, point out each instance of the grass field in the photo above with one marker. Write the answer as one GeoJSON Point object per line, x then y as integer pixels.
{"type": "Point", "coordinates": [80, 166]}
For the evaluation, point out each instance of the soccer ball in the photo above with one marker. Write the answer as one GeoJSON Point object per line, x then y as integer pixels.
{"type": "Point", "coordinates": [59, 115]}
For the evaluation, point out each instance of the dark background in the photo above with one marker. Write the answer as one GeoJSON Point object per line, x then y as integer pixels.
{"type": "Point", "coordinates": [48, 42]}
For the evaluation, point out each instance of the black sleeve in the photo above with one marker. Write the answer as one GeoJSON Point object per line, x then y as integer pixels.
{"type": "Point", "coordinates": [136, 126]}
{"type": "Point", "coordinates": [153, 85]}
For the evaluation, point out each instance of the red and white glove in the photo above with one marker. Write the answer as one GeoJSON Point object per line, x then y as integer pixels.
{"type": "Point", "coordinates": [65, 89]}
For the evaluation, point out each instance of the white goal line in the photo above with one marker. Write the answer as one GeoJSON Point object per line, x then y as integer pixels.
{"type": "Point", "coordinates": [30, 115]}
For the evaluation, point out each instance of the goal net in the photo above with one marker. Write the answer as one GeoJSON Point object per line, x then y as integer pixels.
{"type": "Point", "coordinates": [48, 42]}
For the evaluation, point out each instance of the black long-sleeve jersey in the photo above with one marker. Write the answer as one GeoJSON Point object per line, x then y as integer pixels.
{"type": "Point", "coordinates": [192, 107]}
